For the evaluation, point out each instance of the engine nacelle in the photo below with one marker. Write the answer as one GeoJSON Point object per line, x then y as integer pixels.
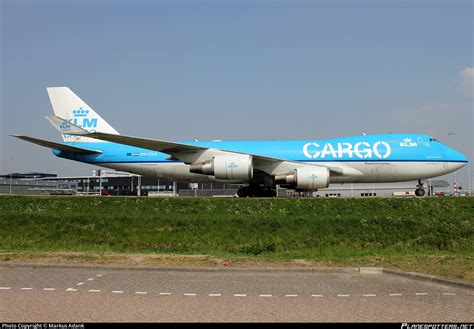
{"type": "Point", "coordinates": [306, 178]}
{"type": "Point", "coordinates": [231, 167]}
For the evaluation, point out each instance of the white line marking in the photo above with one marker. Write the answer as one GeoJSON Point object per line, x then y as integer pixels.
{"type": "Point", "coordinates": [5, 288]}
{"type": "Point", "coordinates": [71, 289]}
{"type": "Point", "coordinates": [449, 294]}
{"type": "Point", "coordinates": [165, 293]}
{"type": "Point", "coordinates": [317, 296]}
{"type": "Point", "coordinates": [49, 289]}
{"type": "Point", "coordinates": [189, 294]}
{"type": "Point", "coordinates": [26, 288]}
{"type": "Point", "coordinates": [291, 295]}
{"type": "Point", "coordinates": [395, 295]}
{"type": "Point", "coordinates": [240, 295]}
{"type": "Point", "coordinates": [90, 279]}
{"type": "Point", "coordinates": [369, 295]}
{"type": "Point", "coordinates": [343, 295]}
{"type": "Point", "coordinates": [265, 295]}
{"type": "Point", "coordinates": [117, 291]}
{"type": "Point", "coordinates": [80, 284]}
{"type": "Point", "coordinates": [92, 290]}
{"type": "Point", "coordinates": [99, 275]}
{"type": "Point", "coordinates": [141, 292]}
{"type": "Point", "coordinates": [421, 293]}
{"type": "Point", "coordinates": [214, 295]}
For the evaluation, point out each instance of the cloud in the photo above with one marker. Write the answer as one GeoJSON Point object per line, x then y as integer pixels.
{"type": "Point", "coordinates": [467, 80]}
{"type": "Point", "coordinates": [467, 73]}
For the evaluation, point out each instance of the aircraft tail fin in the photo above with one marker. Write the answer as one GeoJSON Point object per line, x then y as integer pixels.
{"type": "Point", "coordinates": [66, 104]}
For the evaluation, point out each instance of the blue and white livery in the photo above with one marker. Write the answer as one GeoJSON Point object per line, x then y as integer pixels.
{"type": "Point", "coordinates": [304, 165]}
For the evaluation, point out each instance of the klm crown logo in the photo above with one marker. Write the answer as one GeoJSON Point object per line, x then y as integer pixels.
{"type": "Point", "coordinates": [408, 142]}
{"type": "Point", "coordinates": [80, 113]}
{"type": "Point", "coordinates": [313, 177]}
{"type": "Point", "coordinates": [80, 118]}
{"type": "Point", "coordinates": [64, 127]}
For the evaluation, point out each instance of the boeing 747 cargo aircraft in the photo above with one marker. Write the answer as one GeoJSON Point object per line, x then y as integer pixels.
{"type": "Point", "coordinates": [303, 165]}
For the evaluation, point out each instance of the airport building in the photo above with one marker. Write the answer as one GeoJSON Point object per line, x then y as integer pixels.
{"type": "Point", "coordinates": [113, 183]}
{"type": "Point", "coordinates": [105, 182]}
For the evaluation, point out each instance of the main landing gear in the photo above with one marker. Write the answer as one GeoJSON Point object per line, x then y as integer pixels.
{"type": "Point", "coordinates": [256, 191]}
{"type": "Point", "coordinates": [419, 189]}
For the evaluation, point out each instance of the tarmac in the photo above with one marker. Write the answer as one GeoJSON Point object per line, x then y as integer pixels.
{"type": "Point", "coordinates": [65, 293]}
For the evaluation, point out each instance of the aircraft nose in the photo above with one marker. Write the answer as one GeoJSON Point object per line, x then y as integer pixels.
{"type": "Point", "coordinates": [460, 157]}
{"type": "Point", "coordinates": [452, 166]}
{"type": "Point", "coordinates": [455, 158]}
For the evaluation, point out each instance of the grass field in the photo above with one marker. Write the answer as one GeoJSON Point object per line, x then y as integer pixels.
{"type": "Point", "coordinates": [433, 235]}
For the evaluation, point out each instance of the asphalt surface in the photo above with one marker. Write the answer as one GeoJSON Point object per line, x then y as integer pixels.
{"type": "Point", "coordinates": [37, 294]}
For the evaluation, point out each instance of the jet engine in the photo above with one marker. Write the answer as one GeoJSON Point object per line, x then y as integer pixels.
{"type": "Point", "coordinates": [305, 178]}
{"type": "Point", "coordinates": [231, 167]}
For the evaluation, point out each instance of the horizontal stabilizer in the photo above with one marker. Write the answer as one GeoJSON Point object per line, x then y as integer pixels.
{"type": "Point", "coordinates": [56, 146]}
{"type": "Point", "coordinates": [69, 128]}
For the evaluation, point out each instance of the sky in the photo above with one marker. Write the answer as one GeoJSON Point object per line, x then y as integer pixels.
{"type": "Point", "coordinates": [238, 70]}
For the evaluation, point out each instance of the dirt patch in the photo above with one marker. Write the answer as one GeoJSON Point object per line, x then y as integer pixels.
{"type": "Point", "coordinates": [147, 260]}
{"type": "Point", "coordinates": [460, 267]}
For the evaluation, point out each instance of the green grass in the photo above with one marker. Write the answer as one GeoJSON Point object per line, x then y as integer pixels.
{"type": "Point", "coordinates": [332, 230]}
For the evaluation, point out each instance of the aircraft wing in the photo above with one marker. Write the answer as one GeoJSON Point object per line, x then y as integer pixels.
{"type": "Point", "coordinates": [184, 152]}
{"type": "Point", "coordinates": [56, 146]}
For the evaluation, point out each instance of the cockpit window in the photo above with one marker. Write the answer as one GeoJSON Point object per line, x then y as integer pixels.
{"type": "Point", "coordinates": [433, 140]}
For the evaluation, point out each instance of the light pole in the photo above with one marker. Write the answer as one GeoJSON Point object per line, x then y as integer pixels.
{"type": "Point", "coordinates": [452, 134]}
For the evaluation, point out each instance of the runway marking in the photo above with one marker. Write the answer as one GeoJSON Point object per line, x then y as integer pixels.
{"type": "Point", "coordinates": [117, 291]}
{"type": "Point", "coordinates": [141, 292]}
{"type": "Point", "coordinates": [317, 296]}
{"type": "Point", "coordinates": [343, 295]}
{"type": "Point", "coordinates": [71, 289]}
{"type": "Point", "coordinates": [240, 295]}
{"type": "Point", "coordinates": [291, 295]}
{"type": "Point", "coordinates": [165, 293]}
{"type": "Point", "coordinates": [189, 294]}
{"type": "Point", "coordinates": [5, 288]}
{"type": "Point", "coordinates": [99, 275]}
{"type": "Point", "coordinates": [90, 279]}
{"type": "Point", "coordinates": [49, 289]}
{"type": "Point", "coordinates": [421, 293]}
{"type": "Point", "coordinates": [392, 295]}
{"type": "Point", "coordinates": [215, 295]}
{"type": "Point", "coordinates": [92, 290]}
{"type": "Point", "coordinates": [80, 284]}
{"type": "Point", "coordinates": [449, 294]}
{"type": "Point", "coordinates": [26, 289]}
{"type": "Point", "coordinates": [265, 296]}
{"type": "Point", "coordinates": [369, 295]}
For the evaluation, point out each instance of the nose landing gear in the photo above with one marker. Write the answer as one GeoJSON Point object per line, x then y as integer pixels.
{"type": "Point", "coordinates": [419, 189]}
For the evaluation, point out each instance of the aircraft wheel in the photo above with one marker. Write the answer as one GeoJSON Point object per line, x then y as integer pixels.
{"type": "Point", "coordinates": [243, 192]}
{"type": "Point", "coordinates": [419, 192]}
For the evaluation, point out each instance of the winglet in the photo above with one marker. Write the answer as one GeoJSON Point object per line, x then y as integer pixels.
{"type": "Point", "coordinates": [65, 127]}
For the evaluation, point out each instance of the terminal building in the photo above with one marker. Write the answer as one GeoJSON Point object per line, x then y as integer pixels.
{"type": "Point", "coordinates": [113, 183]}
